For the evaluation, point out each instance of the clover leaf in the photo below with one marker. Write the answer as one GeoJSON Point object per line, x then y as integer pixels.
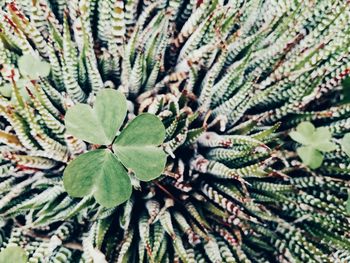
{"type": "Point", "coordinates": [345, 144]}
{"type": "Point", "coordinates": [315, 141]}
{"type": "Point", "coordinates": [99, 173]}
{"type": "Point", "coordinates": [103, 173]}
{"type": "Point", "coordinates": [98, 125]}
{"type": "Point", "coordinates": [137, 148]}
{"type": "Point", "coordinates": [13, 254]}
{"type": "Point", "coordinates": [31, 67]}
{"type": "Point", "coordinates": [310, 156]}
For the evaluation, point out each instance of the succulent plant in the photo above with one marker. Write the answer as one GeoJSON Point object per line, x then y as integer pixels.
{"type": "Point", "coordinates": [229, 81]}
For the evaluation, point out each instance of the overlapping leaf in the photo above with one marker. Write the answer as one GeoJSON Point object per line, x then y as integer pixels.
{"type": "Point", "coordinates": [98, 173]}
{"type": "Point", "coordinates": [314, 141]}
{"type": "Point", "coordinates": [101, 172]}
{"type": "Point", "coordinates": [137, 147]}
{"type": "Point", "coordinates": [100, 124]}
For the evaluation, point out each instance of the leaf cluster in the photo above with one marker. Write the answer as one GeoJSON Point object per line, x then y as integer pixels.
{"type": "Point", "coordinates": [31, 68]}
{"type": "Point", "coordinates": [103, 173]}
{"type": "Point", "coordinates": [315, 142]}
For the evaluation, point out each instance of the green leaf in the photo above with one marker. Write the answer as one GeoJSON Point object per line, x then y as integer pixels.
{"type": "Point", "coordinates": [137, 147]}
{"type": "Point", "coordinates": [326, 146]}
{"type": "Point", "coordinates": [98, 125]}
{"type": "Point", "coordinates": [345, 144]}
{"type": "Point", "coordinates": [303, 133]}
{"type": "Point", "coordinates": [319, 139]}
{"type": "Point", "coordinates": [13, 254]}
{"type": "Point", "coordinates": [310, 156]}
{"type": "Point", "coordinates": [7, 89]}
{"type": "Point", "coordinates": [98, 173]}
{"type": "Point", "coordinates": [32, 67]}
{"type": "Point", "coordinates": [346, 90]}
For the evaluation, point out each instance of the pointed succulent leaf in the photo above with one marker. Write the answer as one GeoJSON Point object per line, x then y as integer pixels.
{"type": "Point", "coordinates": [32, 67]}
{"type": "Point", "coordinates": [137, 147]}
{"type": "Point", "coordinates": [348, 203]}
{"type": "Point", "coordinates": [310, 156]}
{"type": "Point", "coordinates": [345, 144]}
{"type": "Point", "coordinates": [346, 90]}
{"type": "Point", "coordinates": [100, 124]}
{"type": "Point", "coordinates": [303, 133]}
{"type": "Point", "coordinates": [98, 173]}
{"type": "Point", "coordinates": [13, 254]}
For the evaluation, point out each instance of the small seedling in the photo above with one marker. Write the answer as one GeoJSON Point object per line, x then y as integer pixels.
{"type": "Point", "coordinates": [104, 172]}
{"type": "Point", "coordinates": [315, 141]}
{"type": "Point", "coordinates": [31, 68]}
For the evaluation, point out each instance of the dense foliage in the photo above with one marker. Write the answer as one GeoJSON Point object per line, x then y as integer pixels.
{"type": "Point", "coordinates": [254, 99]}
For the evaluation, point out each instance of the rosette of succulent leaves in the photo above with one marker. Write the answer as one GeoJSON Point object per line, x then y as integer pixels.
{"type": "Point", "coordinates": [174, 131]}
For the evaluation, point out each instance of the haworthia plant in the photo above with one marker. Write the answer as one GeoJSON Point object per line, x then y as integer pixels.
{"type": "Point", "coordinates": [174, 131]}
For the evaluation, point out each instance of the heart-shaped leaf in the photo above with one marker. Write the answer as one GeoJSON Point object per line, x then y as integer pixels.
{"type": "Point", "coordinates": [13, 254]}
{"type": "Point", "coordinates": [137, 147]}
{"type": "Point", "coordinates": [321, 140]}
{"type": "Point", "coordinates": [311, 157]}
{"type": "Point", "coordinates": [345, 144]}
{"type": "Point", "coordinates": [100, 124]}
{"type": "Point", "coordinates": [32, 67]}
{"type": "Point", "coordinates": [303, 133]}
{"type": "Point", "coordinates": [98, 173]}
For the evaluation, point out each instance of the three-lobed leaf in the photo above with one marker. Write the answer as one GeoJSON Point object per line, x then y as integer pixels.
{"type": "Point", "coordinates": [13, 254]}
{"type": "Point", "coordinates": [137, 146]}
{"type": "Point", "coordinates": [318, 138]}
{"type": "Point", "coordinates": [303, 133]}
{"type": "Point", "coordinates": [100, 174]}
{"type": "Point", "coordinates": [100, 124]}
{"type": "Point", "coordinates": [32, 67]}
{"type": "Point", "coordinates": [315, 141]}
{"type": "Point", "coordinates": [103, 173]}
